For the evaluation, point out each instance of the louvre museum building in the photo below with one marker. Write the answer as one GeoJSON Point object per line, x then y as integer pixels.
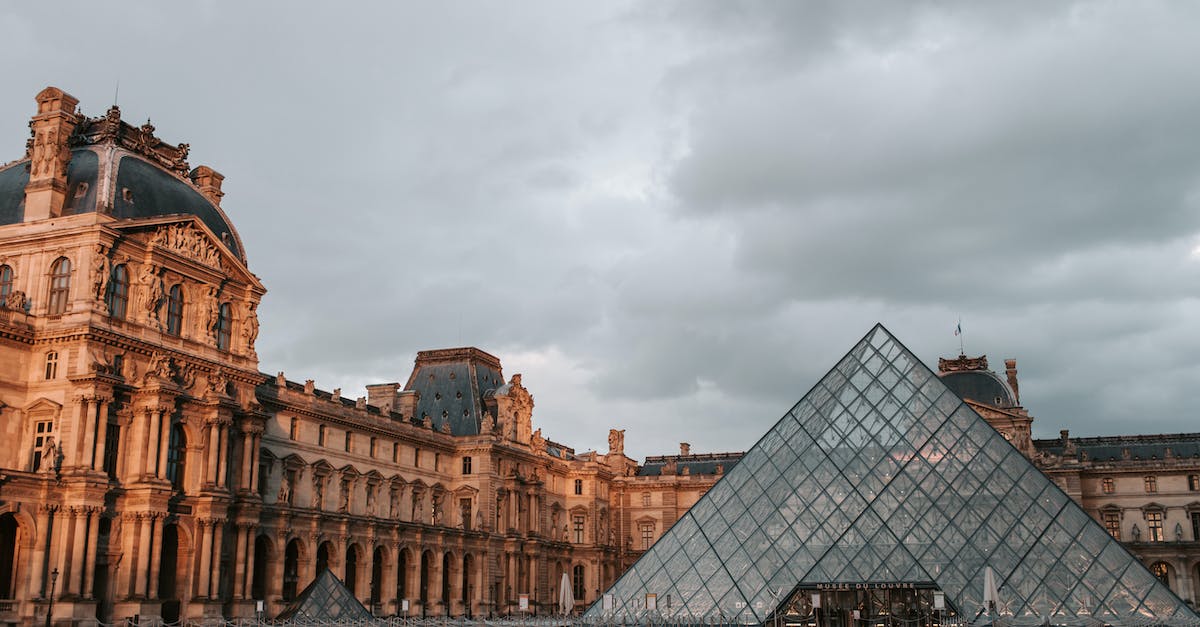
{"type": "Point", "coordinates": [153, 471]}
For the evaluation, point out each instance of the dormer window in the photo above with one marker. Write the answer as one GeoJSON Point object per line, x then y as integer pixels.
{"type": "Point", "coordinates": [175, 309]}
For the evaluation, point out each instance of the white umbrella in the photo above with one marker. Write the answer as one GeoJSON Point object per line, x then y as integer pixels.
{"type": "Point", "coordinates": [991, 596]}
{"type": "Point", "coordinates": [566, 602]}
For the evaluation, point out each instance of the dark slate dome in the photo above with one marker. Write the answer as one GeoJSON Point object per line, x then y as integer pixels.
{"type": "Point", "coordinates": [135, 189]}
{"type": "Point", "coordinates": [981, 386]}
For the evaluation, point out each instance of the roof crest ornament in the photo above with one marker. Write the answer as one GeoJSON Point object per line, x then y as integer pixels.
{"type": "Point", "coordinates": [109, 128]}
{"type": "Point", "coordinates": [962, 363]}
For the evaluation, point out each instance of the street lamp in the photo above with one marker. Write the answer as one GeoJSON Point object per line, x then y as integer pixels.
{"type": "Point", "coordinates": [50, 608]}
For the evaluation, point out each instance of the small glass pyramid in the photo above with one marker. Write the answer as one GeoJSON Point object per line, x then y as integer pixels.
{"type": "Point", "coordinates": [326, 599]}
{"type": "Point", "coordinates": [880, 478]}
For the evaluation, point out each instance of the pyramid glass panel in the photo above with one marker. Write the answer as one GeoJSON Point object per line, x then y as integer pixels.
{"type": "Point", "coordinates": [877, 490]}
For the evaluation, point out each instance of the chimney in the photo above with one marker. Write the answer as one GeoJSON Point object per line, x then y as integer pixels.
{"type": "Point", "coordinates": [1010, 369]}
{"type": "Point", "coordinates": [383, 395]}
{"type": "Point", "coordinates": [685, 449]}
{"type": "Point", "coordinates": [208, 181]}
{"type": "Point", "coordinates": [49, 154]}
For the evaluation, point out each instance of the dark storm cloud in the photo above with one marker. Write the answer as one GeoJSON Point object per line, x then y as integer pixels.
{"type": "Point", "coordinates": [674, 217]}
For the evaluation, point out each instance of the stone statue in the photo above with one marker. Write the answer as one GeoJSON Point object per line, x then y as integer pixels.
{"type": "Point", "coordinates": [285, 490]}
{"type": "Point", "coordinates": [1137, 533]}
{"type": "Point", "coordinates": [489, 423]}
{"type": "Point", "coordinates": [371, 501]}
{"type": "Point", "coordinates": [616, 441]}
{"type": "Point", "coordinates": [250, 325]}
{"type": "Point", "coordinates": [100, 269]}
{"type": "Point", "coordinates": [435, 514]}
{"type": "Point", "coordinates": [212, 311]}
{"type": "Point", "coordinates": [217, 383]}
{"type": "Point", "coordinates": [479, 519]}
{"type": "Point", "coordinates": [16, 300]}
{"type": "Point", "coordinates": [537, 442]}
{"type": "Point", "coordinates": [394, 505]}
{"type": "Point", "coordinates": [1178, 532]}
{"type": "Point", "coordinates": [612, 537]}
{"type": "Point", "coordinates": [418, 508]}
{"type": "Point", "coordinates": [318, 493]}
{"type": "Point", "coordinates": [49, 459]}
{"type": "Point", "coordinates": [345, 504]}
{"type": "Point", "coordinates": [152, 293]}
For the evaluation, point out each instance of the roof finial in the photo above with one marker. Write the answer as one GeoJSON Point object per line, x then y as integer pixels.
{"type": "Point", "coordinates": [117, 91]}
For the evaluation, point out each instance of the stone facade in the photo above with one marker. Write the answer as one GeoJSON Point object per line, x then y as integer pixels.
{"type": "Point", "coordinates": [153, 470]}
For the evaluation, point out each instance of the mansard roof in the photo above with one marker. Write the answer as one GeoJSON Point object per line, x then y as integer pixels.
{"type": "Point", "coordinates": [452, 384]}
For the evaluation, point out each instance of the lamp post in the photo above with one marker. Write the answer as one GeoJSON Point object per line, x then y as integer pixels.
{"type": "Point", "coordinates": [50, 608]}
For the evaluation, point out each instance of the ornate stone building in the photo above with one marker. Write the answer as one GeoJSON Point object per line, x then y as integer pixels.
{"type": "Point", "coordinates": [153, 470]}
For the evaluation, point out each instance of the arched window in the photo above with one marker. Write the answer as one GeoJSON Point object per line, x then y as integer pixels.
{"type": "Point", "coordinates": [117, 294]}
{"type": "Point", "coordinates": [175, 309]}
{"type": "Point", "coordinates": [176, 456]}
{"type": "Point", "coordinates": [577, 586]}
{"type": "Point", "coordinates": [224, 327]}
{"type": "Point", "coordinates": [51, 365]}
{"type": "Point", "coordinates": [5, 283]}
{"type": "Point", "coordinates": [60, 285]}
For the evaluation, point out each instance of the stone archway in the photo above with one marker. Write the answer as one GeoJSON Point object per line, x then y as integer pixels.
{"type": "Point", "coordinates": [10, 555]}
{"type": "Point", "coordinates": [291, 569]}
{"type": "Point", "coordinates": [168, 572]}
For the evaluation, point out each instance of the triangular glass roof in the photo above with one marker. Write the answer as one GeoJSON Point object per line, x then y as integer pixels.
{"type": "Point", "coordinates": [880, 474]}
{"type": "Point", "coordinates": [325, 599]}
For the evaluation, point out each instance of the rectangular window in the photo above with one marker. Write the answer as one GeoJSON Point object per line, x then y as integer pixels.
{"type": "Point", "coordinates": [645, 499]}
{"type": "Point", "coordinates": [1112, 524]}
{"type": "Point", "coordinates": [466, 465]}
{"type": "Point", "coordinates": [416, 458]}
{"type": "Point", "coordinates": [321, 435]}
{"type": "Point", "coordinates": [349, 440]}
{"type": "Point", "coordinates": [293, 428]}
{"type": "Point", "coordinates": [1154, 520]}
{"type": "Point", "coordinates": [43, 433]}
{"type": "Point", "coordinates": [437, 462]}
{"type": "Point", "coordinates": [1151, 484]}
{"type": "Point", "coordinates": [1195, 516]}
{"type": "Point", "coordinates": [578, 522]}
{"type": "Point", "coordinates": [647, 530]}
{"type": "Point", "coordinates": [579, 486]}
{"type": "Point", "coordinates": [264, 469]}
{"type": "Point", "coordinates": [1108, 485]}
{"type": "Point", "coordinates": [51, 365]}
{"type": "Point", "coordinates": [1194, 483]}
{"type": "Point", "coordinates": [112, 445]}
{"type": "Point", "coordinates": [395, 452]}
{"type": "Point", "coordinates": [372, 453]}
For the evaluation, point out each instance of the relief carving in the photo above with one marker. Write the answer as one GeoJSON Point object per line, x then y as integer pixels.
{"type": "Point", "coordinates": [190, 242]}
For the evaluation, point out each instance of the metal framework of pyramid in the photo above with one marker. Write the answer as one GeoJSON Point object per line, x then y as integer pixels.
{"type": "Point", "coordinates": [881, 474]}
{"type": "Point", "coordinates": [326, 600]}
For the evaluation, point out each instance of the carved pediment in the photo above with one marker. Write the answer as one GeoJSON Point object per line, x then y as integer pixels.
{"type": "Point", "coordinates": [188, 241]}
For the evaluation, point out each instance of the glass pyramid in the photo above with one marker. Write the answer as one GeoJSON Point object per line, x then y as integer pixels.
{"type": "Point", "coordinates": [881, 475]}
{"type": "Point", "coordinates": [326, 600]}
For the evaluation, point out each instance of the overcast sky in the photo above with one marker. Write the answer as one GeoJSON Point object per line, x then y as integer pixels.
{"type": "Point", "coordinates": [673, 218]}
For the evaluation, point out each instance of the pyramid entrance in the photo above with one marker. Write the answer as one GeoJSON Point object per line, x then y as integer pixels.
{"type": "Point", "coordinates": [879, 603]}
{"type": "Point", "coordinates": [880, 475]}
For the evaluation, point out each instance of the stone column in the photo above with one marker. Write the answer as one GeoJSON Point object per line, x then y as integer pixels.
{"type": "Point", "coordinates": [89, 566]}
{"type": "Point", "coordinates": [151, 462]}
{"type": "Point", "coordinates": [164, 440]}
{"type": "Point", "coordinates": [74, 583]}
{"type": "Point", "coordinates": [155, 560]}
{"type": "Point", "coordinates": [247, 453]}
{"type": "Point", "coordinates": [60, 546]}
{"type": "Point", "coordinates": [101, 434]}
{"type": "Point", "coordinates": [214, 582]}
{"type": "Point", "coordinates": [128, 563]}
{"type": "Point", "coordinates": [37, 569]}
{"type": "Point", "coordinates": [87, 457]}
{"type": "Point", "coordinates": [222, 454]}
{"type": "Point", "coordinates": [214, 447]}
{"type": "Point", "coordinates": [256, 439]}
{"type": "Point", "coordinates": [243, 563]}
{"type": "Point", "coordinates": [143, 554]}
{"type": "Point", "coordinates": [205, 556]}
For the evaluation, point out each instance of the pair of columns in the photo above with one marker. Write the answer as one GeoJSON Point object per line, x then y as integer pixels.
{"type": "Point", "coordinates": [69, 536]}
